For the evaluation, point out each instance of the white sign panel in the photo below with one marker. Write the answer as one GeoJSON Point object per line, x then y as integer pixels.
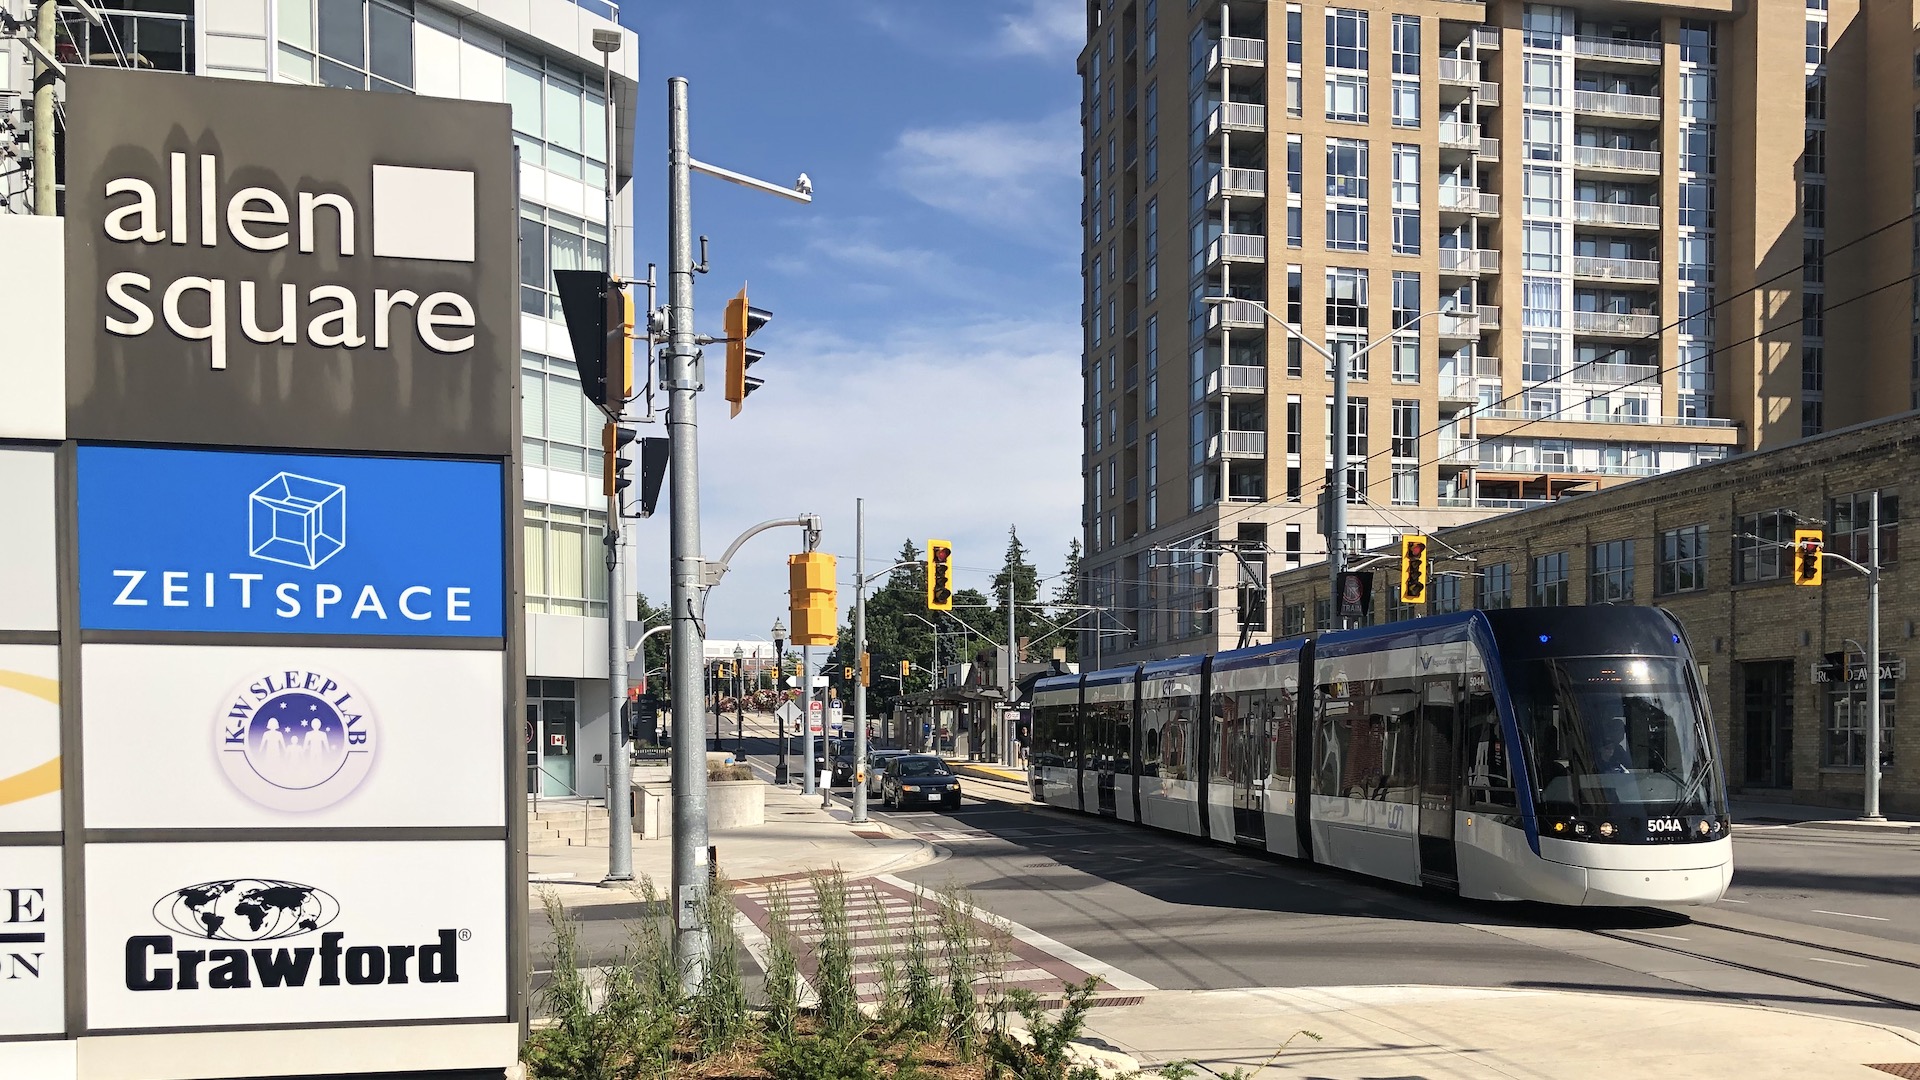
{"type": "Point", "coordinates": [248, 736]}
{"type": "Point", "coordinates": [32, 978]}
{"type": "Point", "coordinates": [27, 581]}
{"type": "Point", "coordinates": [29, 738]}
{"type": "Point", "coordinates": [33, 302]}
{"type": "Point", "coordinates": [220, 934]}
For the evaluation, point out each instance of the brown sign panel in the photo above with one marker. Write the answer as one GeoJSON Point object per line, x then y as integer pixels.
{"type": "Point", "coordinates": [262, 265]}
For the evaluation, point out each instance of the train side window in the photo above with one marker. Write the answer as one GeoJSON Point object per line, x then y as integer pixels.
{"type": "Point", "coordinates": [1280, 738]}
{"type": "Point", "coordinates": [1489, 770]}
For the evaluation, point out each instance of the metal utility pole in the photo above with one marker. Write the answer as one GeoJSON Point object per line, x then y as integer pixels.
{"type": "Point", "coordinates": [807, 778]}
{"type": "Point", "coordinates": [1013, 661]}
{"type": "Point", "coordinates": [689, 647]}
{"type": "Point", "coordinates": [860, 660]}
{"type": "Point", "coordinates": [1871, 808]}
{"type": "Point", "coordinates": [46, 19]}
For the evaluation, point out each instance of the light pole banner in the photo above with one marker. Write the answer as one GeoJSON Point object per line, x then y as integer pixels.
{"type": "Point", "coordinates": [223, 934]}
{"type": "Point", "coordinates": [243, 737]}
{"type": "Point", "coordinates": [214, 540]}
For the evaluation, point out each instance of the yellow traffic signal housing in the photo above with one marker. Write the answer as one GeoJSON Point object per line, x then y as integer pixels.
{"type": "Point", "coordinates": [1808, 544]}
{"type": "Point", "coordinates": [846, 673]}
{"type": "Point", "coordinates": [813, 598]}
{"type": "Point", "coordinates": [906, 668]}
{"type": "Point", "coordinates": [1414, 569]}
{"type": "Point", "coordinates": [613, 441]}
{"type": "Point", "coordinates": [599, 317]}
{"type": "Point", "coordinates": [939, 575]}
{"type": "Point", "coordinates": [866, 669]}
{"type": "Point", "coordinates": [741, 321]}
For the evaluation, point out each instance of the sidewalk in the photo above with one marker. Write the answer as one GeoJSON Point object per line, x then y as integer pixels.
{"type": "Point", "coordinates": [1436, 1032]}
{"type": "Point", "coordinates": [798, 837]}
{"type": "Point", "coordinates": [1800, 815]}
{"type": "Point", "coordinates": [984, 771]}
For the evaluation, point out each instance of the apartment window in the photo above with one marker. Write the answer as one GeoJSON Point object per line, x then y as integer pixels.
{"type": "Point", "coordinates": [1759, 546]}
{"type": "Point", "coordinates": [559, 120]}
{"type": "Point", "coordinates": [1540, 192]}
{"type": "Point", "coordinates": [1406, 103]}
{"type": "Point", "coordinates": [1816, 98]}
{"type": "Point", "coordinates": [1293, 165]}
{"type": "Point", "coordinates": [1610, 573]}
{"type": "Point", "coordinates": [1293, 35]}
{"type": "Point", "coordinates": [1347, 226]}
{"type": "Point", "coordinates": [1293, 298]}
{"type": "Point", "coordinates": [1346, 96]}
{"type": "Point", "coordinates": [1347, 169]}
{"type": "Point", "coordinates": [1541, 131]}
{"type": "Point", "coordinates": [1346, 297]}
{"type": "Point", "coordinates": [1816, 41]}
{"type": "Point", "coordinates": [1347, 38]}
{"type": "Point", "coordinates": [1322, 615]}
{"type": "Point", "coordinates": [1549, 585]}
{"type": "Point", "coordinates": [561, 548]}
{"type": "Point", "coordinates": [1813, 205]}
{"type": "Point", "coordinates": [1406, 429]}
{"type": "Point", "coordinates": [353, 44]}
{"type": "Point", "coordinates": [1406, 231]}
{"type": "Point", "coordinates": [1540, 247]}
{"type": "Point", "coordinates": [1543, 78]}
{"type": "Point", "coordinates": [1496, 586]}
{"type": "Point", "coordinates": [1406, 44]}
{"type": "Point", "coordinates": [1683, 560]}
{"type": "Point", "coordinates": [1406, 359]}
{"type": "Point", "coordinates": [1293, 357]}
{"type": "Point", "coordinates": [1296, 96]}
{"type": "Point", "coordinates": [1153, 249]}
{"type": "Point", "coordinates": [1542, 27]}
{"type": "Point", "coordinates": [1347, 346]}
{"type": "Point", "coordinates": [1406, 297]}
{"type": "Point", "coordinates": [1294, 434]}
{"type": "Point", "coordinates": [1443, 591]}
{"type": "Point", "coordinates": [1153, 131]}
{"type": "Point", "coordinates": [551, 240]}
{"type": "Point", "coordinates": [1356, 447]}
{"type": "Point", "coordinates": [1153, 366]}
{"type": "Point", "coordinates": [1849, 526]}
{"type": "Point", "coordinates": [559, 429]}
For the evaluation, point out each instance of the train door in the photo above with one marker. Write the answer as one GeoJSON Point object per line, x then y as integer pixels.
{"type": "Point", "coordinates": [1305, 713]}
{"type": "Point", "coordinates": [1105, 757]}
{"type": "Point", "coordinates": [1247, 766]}
{"type": "Point", "coordinates": [1439, 774]}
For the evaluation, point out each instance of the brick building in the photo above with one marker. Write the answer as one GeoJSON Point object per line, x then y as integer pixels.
{"type": "Point", "coordinates": [1708, 544]}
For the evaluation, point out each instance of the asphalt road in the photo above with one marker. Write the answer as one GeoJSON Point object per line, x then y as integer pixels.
{"type": "Point", "coordinates": [1843, 880]}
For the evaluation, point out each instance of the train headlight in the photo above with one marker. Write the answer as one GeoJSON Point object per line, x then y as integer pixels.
{"type": "Point", "coordinates": [1559, 826]}
{"type": "Point", "coordinates": [1703, 828]}
{"type": "Point", "coordinates": [1579, 828]}
{"type": "Point", "coordinates": [1606, 830]}
{"type": "Point", "coordinates": [1717, 826]}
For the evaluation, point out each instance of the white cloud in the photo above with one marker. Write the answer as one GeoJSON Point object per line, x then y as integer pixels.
{"type": "Point", "coordinates": [953, 431]}
{"type": "Point", "coordinates": [1021, 177]}
{"type": "Point", "coordinates": [1048, 28]}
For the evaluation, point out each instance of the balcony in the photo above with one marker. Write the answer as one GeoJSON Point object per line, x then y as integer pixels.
{"type": "Point", "coordinates": [1459, 72]}
{"type": "Point", "coordinates": [1463, 501]}
{"type": "Point", "coordinates": [1237, 379]}
{"type": "Point", "coordinates": [1613, 374]}
{"type": "Point", "coordinates": [1632, 271]}
{"type": "Point", "coordinates": [1464, 385]}
{"type": "Point", "coordinates": [1619, 106]}
{"type": "Point", "coordinates": [1237, 248]}
{"type": "Point", "coordinates": [1574, 415]}
{"type": "Point", "coordinates": [1469, 261]}
{"type": "Point", "coordinates": [1631, 215]}
{"type": "Point", "coordinates": [1489, 94]}
{"type": "Point", "coordinates": [150, 41]}
{"type": "Point", "coordinates": [1237, 444]}
{"type": "Point", "coordinates": [1610, 159]}
{"type": "Point", "coordinates": [1631, 50]}
{"type": "Point", "coordinates": [1458, 325]}
{"type": "Point", "coordinates": [1469, 201]}
{"type": "Point", "coordinates": [1238, 184]}
{"type": "Point", "coordinates": [1237, 116]}
{"type": "Point", "coordinates": [1486, 37]}
{"type": "Point", "coordinates": [1238, 52]}
{"type": "Point", "coordinates": [1459, 137]}
{"type": "Point", "coordinates": [1489, 316]}
{"type": "Point", "coordinates": [1489, 149]}
{"type": "Point", "coordinates": [1614, 324]}
{"type": "Point", "coordinates": [1235, 315]}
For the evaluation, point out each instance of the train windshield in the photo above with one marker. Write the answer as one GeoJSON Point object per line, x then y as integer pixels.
{"type": "Point", "coordinates": [1615, 735]}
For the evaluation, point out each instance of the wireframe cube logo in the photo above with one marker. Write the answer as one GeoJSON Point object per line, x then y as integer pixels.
{"type": "Point", "coordinates": [295, 740]}
{"type": "Point", "coordinates": [297, 521]}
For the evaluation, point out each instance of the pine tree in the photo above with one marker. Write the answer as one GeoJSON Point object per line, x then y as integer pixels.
{"type": "Point", "coordinates": [1066, 597]}
{"type": "Point", "coordinates": [1026, 590]}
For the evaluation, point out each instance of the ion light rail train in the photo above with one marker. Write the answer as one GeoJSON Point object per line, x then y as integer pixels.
{"type": "Point", "coordinates": [1559, 755]}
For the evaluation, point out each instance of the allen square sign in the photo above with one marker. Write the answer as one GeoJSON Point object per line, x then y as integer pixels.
{"type": "Point", "coordinates": [259, 634]}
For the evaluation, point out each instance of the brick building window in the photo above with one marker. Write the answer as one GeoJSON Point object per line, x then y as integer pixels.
{"type": "Point", "coordinates": [1496, 586]}
{"type": "Point", "coordinates": [1548, 586]}
{"type": "Point", "coordinates": [1683, 560]}
{"type": "Point", "coordinates": [1845, 742]}
{"type": "Point", "coordinates": [1848, 519]}
{"type": "Point", "coordinates": [1610, 573]}
{"type": "Point", "coordinates": [1322, 615]}
{"type": "Point", "coordinates": [1760, 546]}
{"type": "Point", "coordinates": [1293, 620]}
{"type": "Point", "coordinates": [1445, 593]}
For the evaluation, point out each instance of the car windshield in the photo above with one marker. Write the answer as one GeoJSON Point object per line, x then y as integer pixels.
{"type": "Point", "coordinates": [1615, 734]}
{"type": "Point", "coordinates": [925, 766]}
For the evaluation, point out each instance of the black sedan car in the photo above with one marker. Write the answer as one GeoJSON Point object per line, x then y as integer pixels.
{"type": "Point", "coordinates": [843, 769]}
{"type": "Point", "coordinates": [919, 779]}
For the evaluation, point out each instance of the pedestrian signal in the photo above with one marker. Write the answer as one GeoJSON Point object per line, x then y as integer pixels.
{"type": "Point", "coordinates": [939, 575]}
{"type": "Point", "coordinates": [866, 669]}
{"type": "Point", "coordinates": [1807, 547]}
{"type": "Point", "coordinates": [1414, 569]}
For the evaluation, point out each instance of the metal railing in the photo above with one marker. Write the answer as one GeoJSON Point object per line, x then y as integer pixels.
{"type": "Point", "coordinates": [1233, 378]}
{"type": "Point", "coordinates": [1239, 50]}
{"type": "Point", "coordinates": [1489, 149]}
{"type": "Point", "coordinates": [1471, 200]}
{"type": "Point", "coordinates": [1237, 247]}
{"type": "Point", "coordinates": [1459, 72]}
{"type": "Point", "coordinates": [1609, 213]}
{"type": "Point", "coordinates": [1612, 157]}
{"type": "Point", "coordinates": [1604, 269]}
{"type": "Point", "coordinates": [1238, 182]}
{"type": "Point", "coordinates": [1458, 325]}
{"type": "Point", "coordinates": [1600, 48]}
{"type": "Point", "coordinates": [1237, 444]}
{"type": "Point", "coordinates": [1469, 261]}
{"type": "Point", "coordinates": [1236, 313]}
{"type": "Point", "coordinates": [1461, 387]}
{"type": "Point", "coordinates": [1237, 116]}
{"type": "Point", "coordinates": [1609, 322]}
{"type": "Point", "coordinates": [1489, 93]}
{"type": "Point", "coordinates": [146, 40]}
{"type": "Point", "coordinates": [1486, 37]}
{"type": "Point", "coordinates": [1489, 315]}
{"type": "Point", "coordinates": [1491, 504]}
{"type": "Point", "coordinates": [1612, 374]}
{"type": "Point", "coordinates": [1602, 103]}
{"type": "Point", "coordinates": [1460, 137]}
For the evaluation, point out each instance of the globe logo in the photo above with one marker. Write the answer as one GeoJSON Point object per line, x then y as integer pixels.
{"type": "Point", "coordinates": [246, 909]}
{"type": "Point", "coordinates": [296, 740]}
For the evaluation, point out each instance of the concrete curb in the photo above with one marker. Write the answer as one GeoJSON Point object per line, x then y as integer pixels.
{"type": "Point", "coordinates": [1870, 828]}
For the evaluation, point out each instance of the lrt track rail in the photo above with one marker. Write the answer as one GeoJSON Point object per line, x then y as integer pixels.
{"type": "Point", "coordinates": [1773, 973]}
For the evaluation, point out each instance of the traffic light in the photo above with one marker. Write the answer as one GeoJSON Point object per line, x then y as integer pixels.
{"type": "Point", "coordinates": [613, 441]}
{"type": "Point", "coordinates": [599, 316]}
{"type": "Point", "coordinates": [1807, 546]}
{"type": "Point", "coordinates": [724, 671]}
{"type": "Point", "coordinates": [846, 674]}
{"type": "Point", "coordinates": [939, 575]}
{"type": "Point", "coordinates": [1413, 569]}
{"type": "Point", "coordinates": [741, 321]}
{"type": "Point", "coordinates": [813, 599]}
{"type": "Point", "coordinates": [866, 669]}
{"type": "Point", "coordinates": [653, 469]}
{"type": "Point", "coordinates": [906, 668]}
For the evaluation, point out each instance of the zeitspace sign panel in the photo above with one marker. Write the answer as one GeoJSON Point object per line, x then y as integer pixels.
{"type": "Point", "coordinates": [210, 540]}
{"type": "Point", "coordinates": [265, 265]}
{"type": "Point", "coordinates": [225, 934]}
{"type": "Point", "coordinates": [278, 737]}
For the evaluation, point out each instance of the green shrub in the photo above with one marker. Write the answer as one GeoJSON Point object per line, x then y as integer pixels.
{"type": "Point", "coordinates": [820, 1058]}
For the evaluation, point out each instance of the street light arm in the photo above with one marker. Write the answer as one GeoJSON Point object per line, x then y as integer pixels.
{"type": "Point", "coordinates": [878, 574]}
{"type": "Point", "coordinates": [1824, 553]}
{"type": "Point", "coordinates": [712, 572]}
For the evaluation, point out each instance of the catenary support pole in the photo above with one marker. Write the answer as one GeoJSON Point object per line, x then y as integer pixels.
{"type": "Point", "coordinates": [1871, 809]}
{"type": "Point", "coordinates": [1013, 662]}
{"type": "Point", "coordinates": [46, 20]}
{"type": "Point", "coordinates": [689, 649]}
{"type": "Point", "coordinates": [860, 659]}
{"type": "Point", "coordinates": [1337, 494]}
{"type": "Point", "coordinates": [806, 720]}
{"type": "Point", "coordinates": [619, 765]}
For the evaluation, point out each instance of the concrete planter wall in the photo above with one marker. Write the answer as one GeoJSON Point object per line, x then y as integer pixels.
{"type": "Point", "coordinates": [731, 804]}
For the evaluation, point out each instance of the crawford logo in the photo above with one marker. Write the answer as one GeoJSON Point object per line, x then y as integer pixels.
{"type": "Point", "coordinates": [23, 934]}
{"type": "Point", "coordinates": [418, 214]}
{"type": "Point", "coordinates": [296, 740]}
{"type": "Point", "coordinates": [247, 910]}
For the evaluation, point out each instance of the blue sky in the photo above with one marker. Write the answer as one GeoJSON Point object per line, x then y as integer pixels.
{"type": "Point", "coordinates": [924, 350]}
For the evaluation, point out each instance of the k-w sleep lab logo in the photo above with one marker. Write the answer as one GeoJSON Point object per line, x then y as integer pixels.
{"type": "Point", "coordinates": [296, 739]}
{"type": "Point", "coordinates": [216, 541]}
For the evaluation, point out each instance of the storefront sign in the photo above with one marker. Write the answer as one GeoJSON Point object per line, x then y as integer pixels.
{"type": "Point", "coordinates": [28, 581]}
{"type": "Point", "coordinates": [32, 973]}
{"type": "Point", "coordinates": [29, 738]}
{"type": "Point", "coordinates": [274, 737]}
{"type": "Point", "coordinates": [212, 935]}
{"type": "Point", "coordinates": [197, 540]}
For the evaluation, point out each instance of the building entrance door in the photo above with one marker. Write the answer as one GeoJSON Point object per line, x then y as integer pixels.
{"type": "Point", "coordinates": [552, 721]}
{"type": "Point", "coordinates": [1767, 694]}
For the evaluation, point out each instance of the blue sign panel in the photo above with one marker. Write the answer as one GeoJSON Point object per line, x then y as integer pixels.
{"type": "Point", "coordinates": [285, 543]}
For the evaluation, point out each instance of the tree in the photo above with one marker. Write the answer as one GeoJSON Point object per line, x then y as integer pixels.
{"type": "Point", "coordinates": [1066, 598]}
{"type": "Point", "coordinates": [895, 632]}
{"type": "Point", "coordinates": [1019, 575]}
{"type": "Point", "coordinates": [659, 647]}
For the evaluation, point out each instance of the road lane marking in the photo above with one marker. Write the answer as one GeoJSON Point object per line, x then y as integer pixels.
{"type": "Point", "coordinates": [1724, 900]}
{"type": "Point", "coordinates": [1108, 974]}
{"type": "Point", "coordinates": [1849, 915]}
{"type": "Point", "coordinates": [1842, 963]}
{"type": "Point", "coordinates": [1649, 933]}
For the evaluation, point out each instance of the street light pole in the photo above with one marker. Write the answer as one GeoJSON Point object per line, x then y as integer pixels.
{"type": "Point", "coordinates": [739, 707]}
{"type": "Point", "coordinates": [859, 660]}
{"type": "Point", "coordinates": [779, 672]}
{"type": "Point", "coordinates": [1336, 491]}
{"type": "Point", "coordinates": [1870, 809]}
